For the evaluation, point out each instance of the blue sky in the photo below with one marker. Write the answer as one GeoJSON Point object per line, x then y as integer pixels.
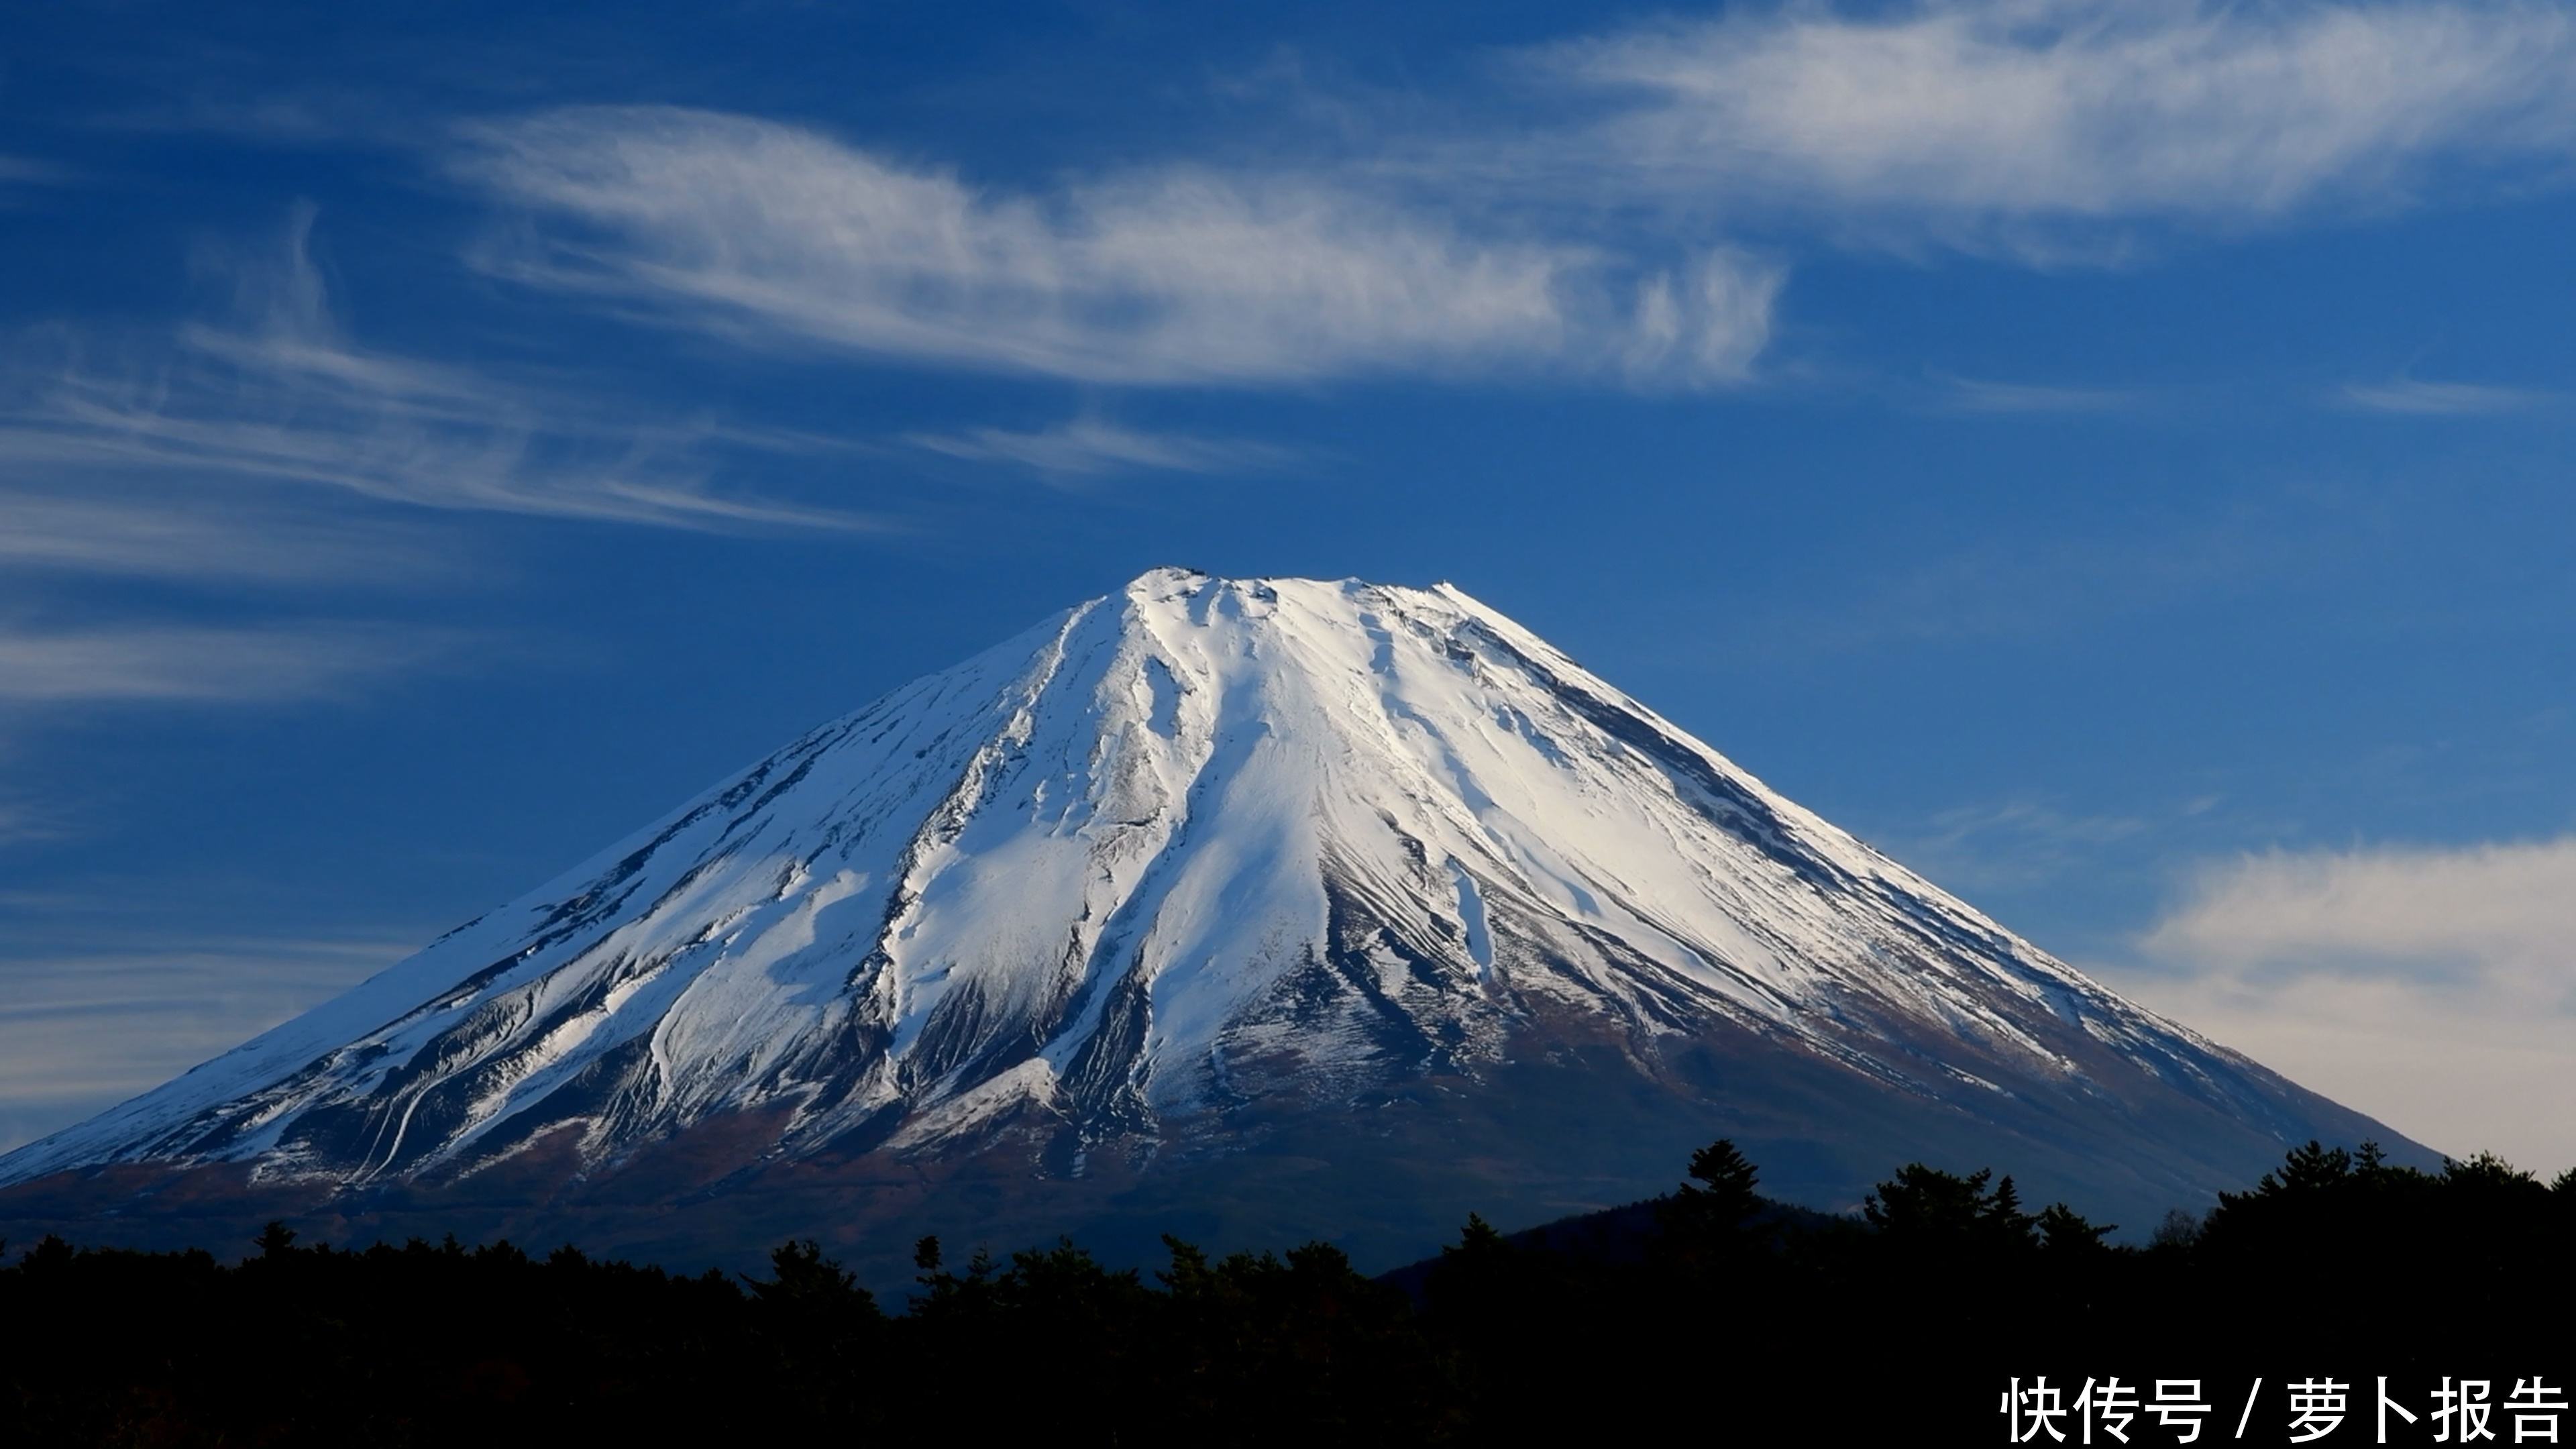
{"type": "Point", "coordinates": [2114, 457]}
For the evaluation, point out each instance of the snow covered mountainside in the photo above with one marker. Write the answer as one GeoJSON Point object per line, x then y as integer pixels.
{"type": "Point", "coordinates": [1206, 894]}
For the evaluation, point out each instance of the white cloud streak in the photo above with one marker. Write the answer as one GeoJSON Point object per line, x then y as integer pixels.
{"type": "Point", "coordinates": [157, 535]}
{"type": "Point", "coordinates": [204, 664]}
{"type": "Point", "coordinates": [1995, 111]}
{"type": "Point", "coordinates": [2418, 398]}
{"type": "Point", "coordinates": [2012, 844]}
{"type": "Point", "coordinates": [1089, 447]}
{"type": "Point", "coordinates": [1984, 396]}
{"type": "Point", "coordinates": [80, 1032]}
{"type": "Point", "coordinates": [1174, 275]}
{"type": "Point", "coordinates": [281, 395]}
{"type": "Point", "coordinates": [2433, 987]}
{"type": "Point", "coordinates": [308, 116]}
{"type": "Point", "coordinates": [2492, 908]}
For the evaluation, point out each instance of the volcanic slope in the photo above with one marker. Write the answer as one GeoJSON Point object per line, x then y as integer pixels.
{"type": "Point", "coordinates": [1253, 908]}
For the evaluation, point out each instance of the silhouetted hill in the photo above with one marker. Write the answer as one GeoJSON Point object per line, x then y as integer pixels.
{"type": "Point", "coordinates": [1614, 1236]}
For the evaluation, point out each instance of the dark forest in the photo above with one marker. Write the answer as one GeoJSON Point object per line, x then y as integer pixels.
{"type": "Point", "coordinates": [1710, 1309]}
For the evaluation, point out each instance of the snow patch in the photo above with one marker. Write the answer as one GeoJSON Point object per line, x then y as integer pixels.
{"type": "Point", "coordinates": [1471, 913]}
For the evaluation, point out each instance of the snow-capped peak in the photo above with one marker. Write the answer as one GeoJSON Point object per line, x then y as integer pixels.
{"type": "Point", "coordinates": [1198, 843]}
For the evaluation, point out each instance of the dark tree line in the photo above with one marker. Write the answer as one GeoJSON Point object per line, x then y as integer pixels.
{"type": "Point", "coordinates": [1745, 1318]}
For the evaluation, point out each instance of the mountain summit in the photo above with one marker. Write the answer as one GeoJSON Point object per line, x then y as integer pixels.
{"type": "Point", "coordinates": [1264, 905]}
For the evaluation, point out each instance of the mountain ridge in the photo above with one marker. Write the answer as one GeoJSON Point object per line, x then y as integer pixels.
{"type": "Point", "coordinates": [1178, 875]}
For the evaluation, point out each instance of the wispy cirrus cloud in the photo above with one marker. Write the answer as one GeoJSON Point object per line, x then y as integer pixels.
{"type": "Point", "coordinates": [2432, 985]}
{"type": "Point", "coordinates": [2013, 844]}
{"type": "Point", "coordinates": [267, 447]}
{"type": "Point", "coordinates": [1590, 236]}
{"type": "Point", "coordinates": [1998, 122]}
{"type": "Point", "coordinates": [295, 116]}
{"type": "Point", "coordinates": [2420, 398]}
{"type": "Point", "coordinates": [279, 393]}
{"type": "Point", "coordinates": [1991, 397]}
{"type": "Point", "coordinates": [57, 675]}
{"type": "Point", "coordinates": [30, 171]}
{"type": "Point", "coordinates": [1090, 447]}
{"type": "Point", "coordinates": [204, 663]}
{"type": "Point", "coordinates": [166, 534]}
{"type": "Point", "coordinates": [83, 1030]}
{"type": "Point", "coordinates": [19, 824]}
{"type": "Point", "coordinates": [1157, 276]}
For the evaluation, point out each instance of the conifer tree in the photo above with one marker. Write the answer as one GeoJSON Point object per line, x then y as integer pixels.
{"type": "Point", "coordinates": [1922, 1201]}
{"type": "Point", "coordinates": [2000, 1215]}
{"type": "Point", "coordinates": [804, 1278]}
{"type": "Point", "coordinates": [2063, 1230]}
{"type": "Point", "coordinates": [1721, 1189]}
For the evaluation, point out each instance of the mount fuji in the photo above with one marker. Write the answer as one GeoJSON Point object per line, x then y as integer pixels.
{"type": "Point", "coordinates": [1255, 910]}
